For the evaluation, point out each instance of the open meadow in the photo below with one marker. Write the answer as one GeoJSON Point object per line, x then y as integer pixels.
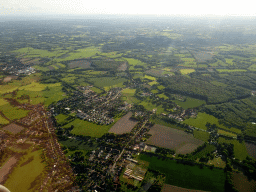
{"type": "Point", "coordinates": [170, 138]}
{"type": "Point", "coordinates": [191, 177]}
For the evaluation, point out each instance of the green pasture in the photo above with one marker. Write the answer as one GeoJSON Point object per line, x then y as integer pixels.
{"type": "Point", "coordinates": [205, 151]}
{"type": "Point", "coordinates": [13, 112]}
{"type": "Point", "coordinates": [61, 118]}
{"type": "Point", "coordinates": [160, 87]}
{"type": "Point", "coordinates": [226, 133]}
{"type": "Point", "coordinates": [252, 67]}
{"type": "Point", "coordinates": [190, 103]}
{"type": "Point", "coordinates": [128, 96]}
{"type": "Point", "coordinates": [231, 70]}
{"type": "Point", "coordinates": [201, 120]}
{"type": "Point", "coordinates": [149, 77]}
{"type": "Point", "coordinates": [96, 90]}
{"type": "Point", "coordinates": [186, 71]}
{"type": "Point", "coordinates": [87, 128]}
{"type": "Point", "coordinates": [150, 106]}
{"type": "Point", "coordinates": [186, 176]}
{"type": "Point", "coordinates": [26, 176]}
{"type": "Point", "coordinates": [240, 150]}
{"type": "Point", "coordinates": [3, 121]}
{"type": "Point", "coordinates": [162, 96]}
{"type": "Point", "coordinates": [108, 81]}
{"type": "Point", "coordinates": [217, 83]}
{"type": "Point", "coordinates": [202, 135]}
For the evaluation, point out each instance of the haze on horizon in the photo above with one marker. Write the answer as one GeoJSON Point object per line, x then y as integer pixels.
{"type": "Point", "coordinates": [132, 7]}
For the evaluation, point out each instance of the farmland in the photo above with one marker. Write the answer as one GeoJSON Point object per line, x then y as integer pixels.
{"type": "Point", "coordinates": [84, 64]}
{"type": "Point", "coordinates": [82, 127]}
{"type": "Point", "coordinates": [191, 177]}
{"type": "Point", "coordinates": [177, 140]}
{"type": "Point", "coordinates": [240, 151]}
{"type": "Point", "coordinates": [26, 176]}
{"type": "Point", "coordinates": [13, 128]}
{"type": "Point", "coordinates": [207, 150]}
{"type": "Point", "coordinates": [124, 125]}
{"type": "Point", "coordinates": [204, 136]}
{"type": "Point", "coordinates": [251, 149]}
{"type": "Point", "coordinates": [190, 103]}
{"type": "Point", "coordinates": [242, 183]}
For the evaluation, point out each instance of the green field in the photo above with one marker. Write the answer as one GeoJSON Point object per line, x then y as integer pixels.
{"type": "Point", "coordinates": [231, 70]}
{"type": "Point", "coordinates": [149, 77]}
{"type": "Point", "coordinates": [201, 120]}
{"type": "Point", "coordinates": [162, 96]}
{"type": "Point", "coordinates": [191, 177]}
{"type": "Point", "coordinates": [3, 121]}
{"type": "Point", "coordinates": [96, 90]}
{"type": "Point", "coordinates": [205, 151]}
{"type": "Point", "coordinates": [225, 133]}
{"type": "Point", "coordinates": [108, 81]}
{"type": "Point", "coordinates": [152, 83]}
{"type": "Point", "coordinates": [82, 127]}
{"type": "Point", "coordinates": [61, 118]}
{"type": "Point", "coordinates": [190, 103]}
{"type": "Point", "coordinates": [240, 150]}
{"type": "Point", "coordinates": [186, 71]}
{"type": "Point", "coordinates": [26, 177]}
{"type": "Point", "coordinates": [13, 112]}
{"type": "Point", "coordinates": [149, 106]}
{"type": "Point", "coordinates": [202, 135]}
{"type": "Point", "coordinates": [217, 83]}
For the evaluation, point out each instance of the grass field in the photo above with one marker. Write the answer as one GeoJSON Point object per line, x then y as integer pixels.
{"type": "Point", "coordinates": [149, 77]}
{"type": "Point", "coordinates": [252, 67]}
{"type": "Point", "coordinates": [201, 120]}
{"type": "Point", "coordinates": [204, 136]}
{"type": "Point", "coordinates": [231, 70]}
{"type": "Point", "coordinates": [108, 81]}
{"type": "Point", "coordinates": [225, 133]}
{"type": "Point", "coordinates": [186, 71]}
{"type": "Point", "coordinates": [162, 96]}
{"type": "Point", "coordinates": [191, 177]}
{"type": "Point", "coordinates": [3, 121]}
{"type": "Point", "coordinates": [82, 127]}
{"type": "Point", "coordinates": [61, 118]}
{"type": "Point", "coordinates": [149, 106]}
{"type": "Point", "coordinates": [205, 151]}
{"type": "Point", "coordinates": [13, 112]}
{"type": "Point", "coordinates": [190, 103]}
{"type": "Point", "coordinates": [26, 177]}
{"type": "Point", "coordinates": [240, 151]}
{"type": "Point", "coordinates": [96, 90]}
{"type": "Point", "coordinates": [217, 83]}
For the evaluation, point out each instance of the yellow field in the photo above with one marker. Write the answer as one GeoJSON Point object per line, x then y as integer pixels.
{"type": "Point", "coordinates": [187, 71]}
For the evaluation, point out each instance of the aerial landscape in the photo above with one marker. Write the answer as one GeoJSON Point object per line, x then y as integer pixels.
{"type": "Point", "coordinates": [128, 103]}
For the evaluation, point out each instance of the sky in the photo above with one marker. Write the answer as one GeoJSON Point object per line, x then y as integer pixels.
{"type": "Point", "coordinates": [131, 7]}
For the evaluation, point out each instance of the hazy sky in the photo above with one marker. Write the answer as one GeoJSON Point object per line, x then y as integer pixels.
{"type": "Point", "coordinates": [157, 7]}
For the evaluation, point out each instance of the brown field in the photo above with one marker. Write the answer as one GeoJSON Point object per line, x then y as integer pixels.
{"type": "Point", "coordinates": [3, 136]}
{"type": "Point", "coordinates": [84, 64]}
{"type": "Point", "coordinates": [174, 139]}
{"type": "Point", "coordinates": [241, 183]}
{"type": "Point", "coordinates": [171, 188]}
{"type": "Point", "coordinates": [13, 128]}
{"type": "Point", "coordinates": [7, 167]}
{"type": "Point", "coordinates": [124, 125]}
{"type": "Point", "coordinates": [122, 67]}
{"type": "Point", "coordinates": [9, 78]}
{"type": "Point", "coordinates": [251, 149]}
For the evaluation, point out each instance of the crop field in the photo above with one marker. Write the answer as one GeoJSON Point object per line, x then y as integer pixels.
{"type": "Point", "coordinates": [225, 133]}
{"type": "Point", "coordinates": [251, 149]}
{"type": "Point", "coordinates": [152, 83]}
{"type": "Point", "coordinates": [169, 188]}
{"type": "Point", "coordinates": [242, 183]}
{"type": "Point", "coordinates": [240, 151]}
{"type": "Point", "coordinates": [108, 81]}
{"type": "Point", "coordinates": [190, 103]}
{"type": "Point", "coordinates": [191, 177]}
{"type": "Point", "coordinates": [202, 56]}
{"type": "Point", "coordinates": [149, 77]}
{"type": "Point", "coordinates": [27, 176]}
{"type": "Point", "coordinates": [124, 125]}
{"type": "Point", "coordinates": [13, 128]}
{"type": "Point", "coordinates": [204, 136]}
{"type": "Point", "coordinates": [252, 67]}
{"type": "Point", "coordinates": [162, 96]}
{"type": "Point", "coordinates": [170, 138]}
{"type": "Point", "coordinates": [155, 72]}
{"type": "Point", "coordinates": [86, 128]}
{"type": "Point", "coordinates": [231, 70]}
{"type": "Point", "coordinates": [205, 151]}
{"type": "Point", "coordinates": [84, 64]}
{"type": "Point", "coordinates": [217, 83]}
{"type": "Point", "coordinates": [186, 71]}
